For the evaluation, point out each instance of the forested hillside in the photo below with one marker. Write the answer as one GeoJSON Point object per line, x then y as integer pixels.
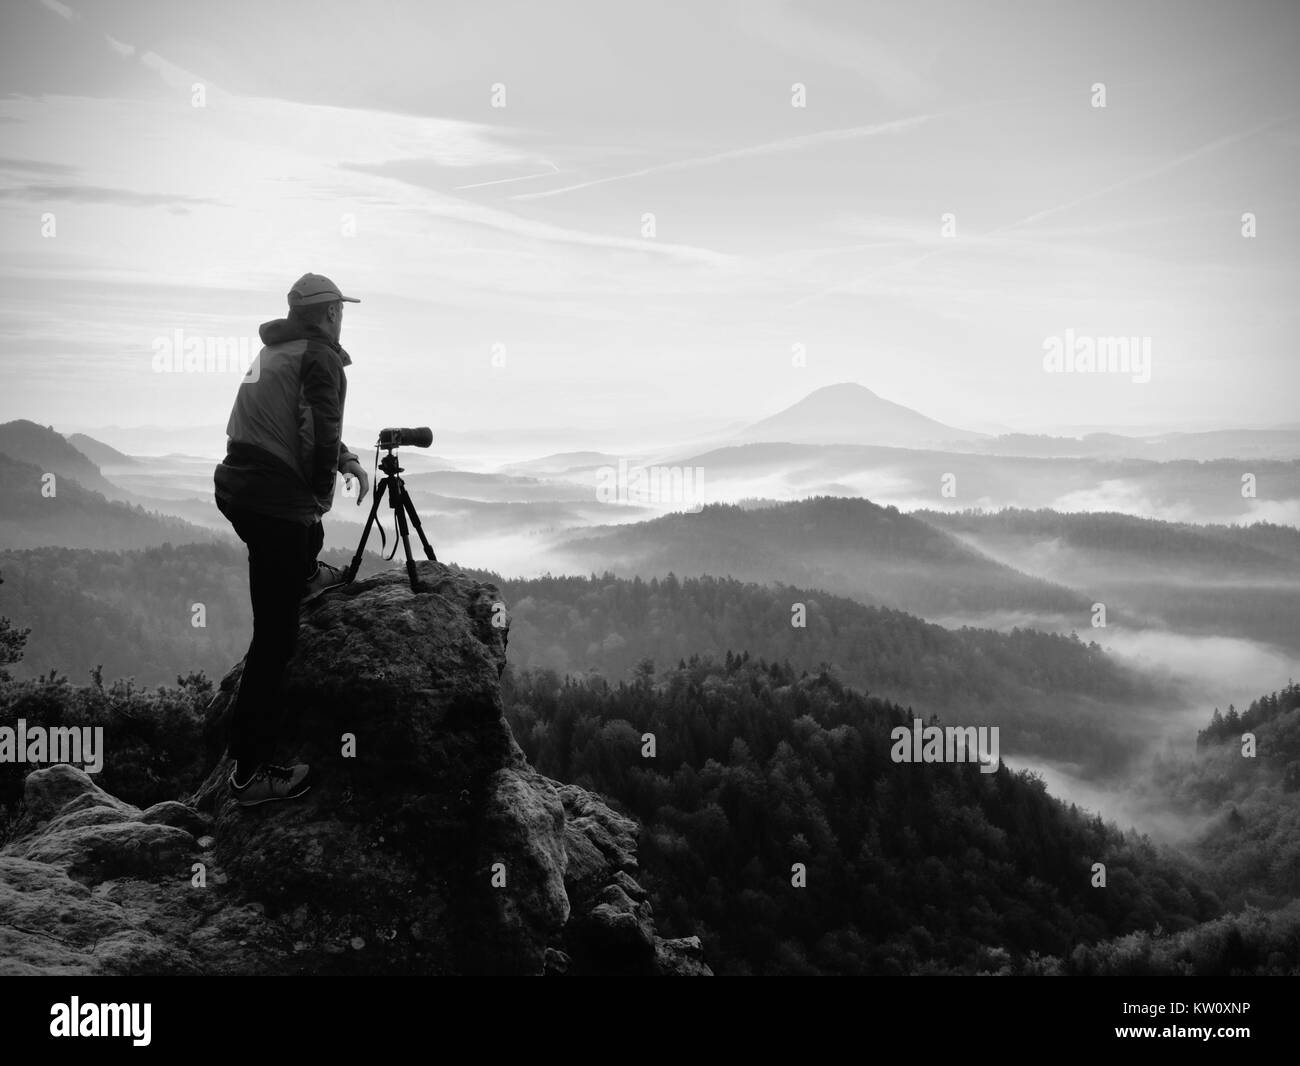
{"type": "Point", "coordinates": [1209, 580]}
{"type": "Point", "coordinates": [1244, 781]}
{"type": "Point", "coordinates": [134, 613]}
{"type": "Point", "coordinates": [1254, 550]}
{"type": "Point", "coordinates": [131, 612]}
{"type": "Point", "coordinates": [910, 868]}
{"type": "Point", "coordinates": [78, 517]}
{"type": "Point", "coordinates": [1051, 694]}
{"type": "Point", "coordinates": [851, 547]}
{"type": "Point", "coordinates": [778, 828]}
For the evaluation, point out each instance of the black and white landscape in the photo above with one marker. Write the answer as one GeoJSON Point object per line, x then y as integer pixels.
{"type": "Point", "coordinates": [801, 379]}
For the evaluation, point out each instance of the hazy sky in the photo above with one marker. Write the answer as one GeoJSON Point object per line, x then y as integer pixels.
{"type": "Point", "coordinates": [522, 226]}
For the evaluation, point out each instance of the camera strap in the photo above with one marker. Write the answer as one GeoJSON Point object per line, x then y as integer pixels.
{"type": "Point", "coordinates": [379, 522]}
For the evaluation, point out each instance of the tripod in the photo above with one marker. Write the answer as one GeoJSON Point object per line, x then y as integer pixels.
{"type": "Point", "coordinates": [399, 500]}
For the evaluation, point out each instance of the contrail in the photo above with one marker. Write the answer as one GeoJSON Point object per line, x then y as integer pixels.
{"type": "Point", "coordinates": [770, 148]}
{"type": "Point", "coordinates": [522, 177]}
{"type": "Point", "coordinates": [1132, 179]}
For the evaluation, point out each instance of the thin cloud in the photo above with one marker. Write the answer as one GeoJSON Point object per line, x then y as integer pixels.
{"type": "Point", "coordinates": [60, 9]}
{"type": "Point", "coordinates": [35, 166]}
{"type": "Point", "coordinates": [789, 144]}
{"type": "Point", "coordinates": [801, 34]}
{"type": "Point", "coordinates": [1123, 183]}
{"type": "Point", "coordinates": [97, 194]}
{"type": "Point", "coordinates": [1133, 179]}
{"type": "Point", "coordinates": [120, 47]}
{"type": "Point", "coordinates": [176, 77]}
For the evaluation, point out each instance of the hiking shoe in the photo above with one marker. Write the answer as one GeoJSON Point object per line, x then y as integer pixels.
{"type": "Point", "coordinates": [326, 577]}
{"type": "Point", "coordinates": [270, 782]}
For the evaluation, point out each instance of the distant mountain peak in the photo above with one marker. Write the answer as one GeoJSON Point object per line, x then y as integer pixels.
{"type": "Point", "coordinates": [842, 388]}
{"type": "Point", "coordinates": [850, 413]}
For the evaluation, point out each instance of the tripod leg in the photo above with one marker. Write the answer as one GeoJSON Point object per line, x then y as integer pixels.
{"type": "Point", "coordinates": [403, 531]}
{"type": "Point", "coordinates": [365, 533]}
{"type": "Point", "coordinates": [415, 518]}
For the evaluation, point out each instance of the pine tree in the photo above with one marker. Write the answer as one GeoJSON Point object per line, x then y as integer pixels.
{"type": "Point", "coordinates": [12, 640]}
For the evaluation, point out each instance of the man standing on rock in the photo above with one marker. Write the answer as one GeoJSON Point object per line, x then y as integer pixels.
{"type": "Point", "coordinates": [277, 480]}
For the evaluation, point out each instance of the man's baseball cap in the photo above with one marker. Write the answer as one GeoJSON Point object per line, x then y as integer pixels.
{"type": "Point", "coordinates": [316, 289]}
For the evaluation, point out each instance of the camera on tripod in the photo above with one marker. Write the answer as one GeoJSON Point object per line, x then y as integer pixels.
{"type": "Point", "coordinates": [392, 488]}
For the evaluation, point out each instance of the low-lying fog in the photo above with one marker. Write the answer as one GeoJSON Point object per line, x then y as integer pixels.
{"type": "Point", "coordinates": [513, 538]}
{"type": "Point", "coordinates": [1219, 671]}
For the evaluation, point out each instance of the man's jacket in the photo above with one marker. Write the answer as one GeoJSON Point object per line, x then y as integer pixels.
{"type": "Point", "coordinates": [286, 428]}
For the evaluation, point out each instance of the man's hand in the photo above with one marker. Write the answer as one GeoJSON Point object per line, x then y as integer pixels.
{"type": "Point", "coordinates": [353, 469]}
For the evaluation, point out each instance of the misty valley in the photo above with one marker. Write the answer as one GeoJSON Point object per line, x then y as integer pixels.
{"type": "Point", "coordinates": [999, 731]}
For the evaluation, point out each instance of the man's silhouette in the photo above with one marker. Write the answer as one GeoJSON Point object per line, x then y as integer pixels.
{"type": "Point", "coordinates": [277, 480]}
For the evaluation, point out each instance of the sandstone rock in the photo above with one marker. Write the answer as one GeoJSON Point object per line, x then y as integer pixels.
{"type": "Point", "coordinates": [682, 957]}
{"type": "Point", "coordinates": [86, 816]}
{"type": "Point", "coordinates": [170, 812]}
{"type": "Point", "coordinates": [95, 853]}
{"type": "Point", "coordinates": [426, 844]}
{"type": "Point", "coordinates": [51, 924]}
{"type": "Point", "coordinates": [523, 827]}
{"type": "Point", "coordinates": [52, 790]}
{"type": "Point", "coordinates": [629, 886]}
{"type": "Point", "coordinates": [622, 924]}
{"type": "Point", "coordinates": [599, 841]}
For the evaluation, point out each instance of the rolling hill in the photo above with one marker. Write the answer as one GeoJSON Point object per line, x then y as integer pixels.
{"type": "Point", "coordinates": [1050, 694]}
{"type": "Point", "coordinates": [42, 447]}
{"type": "Point", "coordinates": [80, 517]}
{"type": "Point", "coordinates": [912, 478]}
{"type": "Point", "coordinates": [1209, 580]}
{"type": "Point", "coordinates": [98, 452]}
{"type": "Point", "coordinates": [850, 547]}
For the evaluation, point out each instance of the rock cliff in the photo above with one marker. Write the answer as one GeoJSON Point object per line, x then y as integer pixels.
{"type": "Point", "coordinates": [426, 845]}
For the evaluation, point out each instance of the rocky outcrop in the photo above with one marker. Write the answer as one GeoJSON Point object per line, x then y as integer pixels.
{"type": "Point", "coordinates": [427, 843]}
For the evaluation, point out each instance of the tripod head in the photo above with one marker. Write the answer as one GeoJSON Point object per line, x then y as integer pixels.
{"type": "Point", "coordinates": [391, 439]}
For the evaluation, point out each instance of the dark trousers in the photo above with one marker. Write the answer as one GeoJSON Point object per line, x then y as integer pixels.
{"type": "Point", "coordinates": [281, 557]}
